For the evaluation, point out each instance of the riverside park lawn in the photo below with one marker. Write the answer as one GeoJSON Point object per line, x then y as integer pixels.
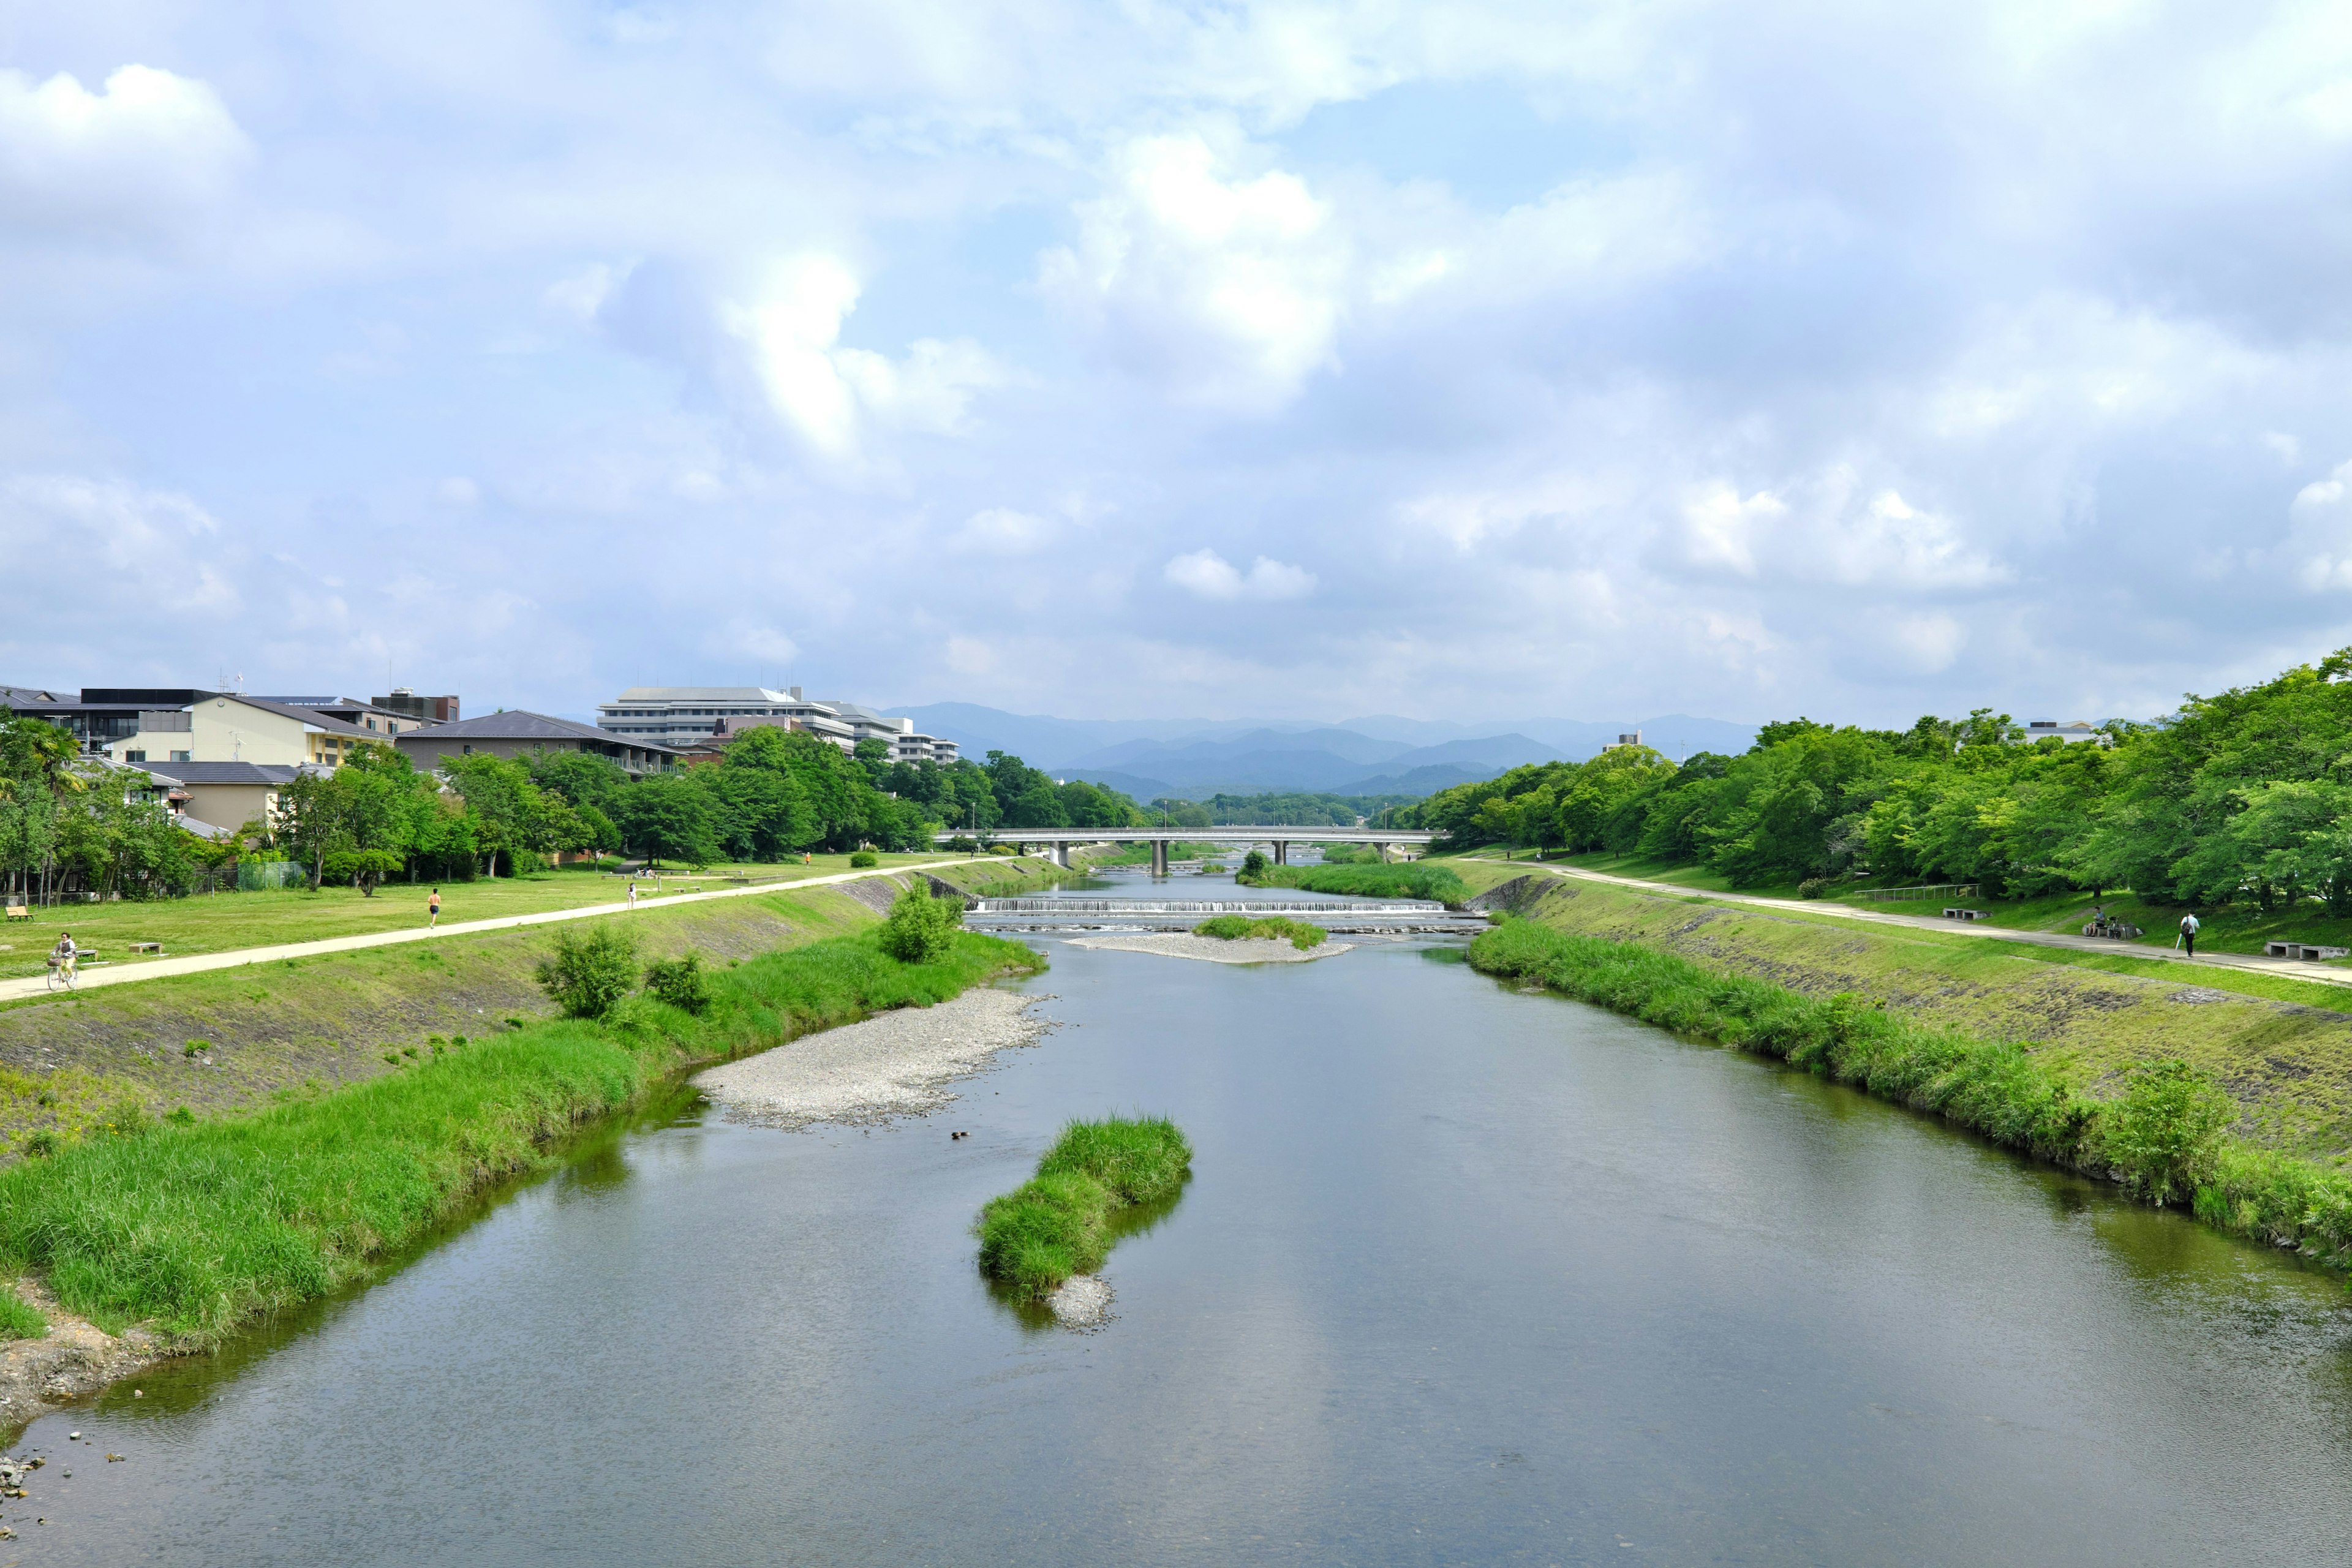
{"type": "Point", "coordinates": [221, 923]}
{"type": "Point", "coordinates": [2232, 928]}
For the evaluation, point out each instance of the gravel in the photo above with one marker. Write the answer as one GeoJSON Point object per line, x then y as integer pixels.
{"type": "Point", "coordinates": [1214, 949]}
{"type": "Point", "coordinates": [894, 1065]}
{"type": "Point", "coordinates": [1081, 1302]}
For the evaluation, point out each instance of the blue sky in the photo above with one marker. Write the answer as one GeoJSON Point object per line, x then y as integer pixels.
{"type": "Point", "coordinates": [1459, 360]}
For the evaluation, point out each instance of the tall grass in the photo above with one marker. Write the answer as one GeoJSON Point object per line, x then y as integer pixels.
{"type": "Point", "coordinates": [19, 1319]}
{"type": "Point", "coordinates": [199, 1227]}
{"type": "Point", "coordinates": [2159, 1137]}
{"type": "Point", "coordinates": [1059, 1222]}
{"type": "Point", "coordinates": [1241, 928]}
{"type": "Point", "coordinates": [1411, 880]}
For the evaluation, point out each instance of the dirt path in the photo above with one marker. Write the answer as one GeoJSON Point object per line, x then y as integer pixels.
{"type": "Point", "coordinates": [153, 968]}
{"type": "Point", "coordinates": [2288, 968]}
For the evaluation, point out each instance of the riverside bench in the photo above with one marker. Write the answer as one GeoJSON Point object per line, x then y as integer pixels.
{"type": "Point", "coordinates": [2121, 931]}
{"type": "Point", "coordinates": [19, 913]}
{"type": "Point", "coordinates": [1958, 914]}
{"type": "Point", "coordinates": [2305, 951]}
{"type": "Point", "coordinates": [154, 947]}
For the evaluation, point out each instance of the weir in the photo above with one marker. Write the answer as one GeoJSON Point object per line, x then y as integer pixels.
{"type": "Point", "coordinates": [1396, 916]}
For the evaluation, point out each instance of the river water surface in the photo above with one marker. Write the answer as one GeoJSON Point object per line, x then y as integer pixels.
{"type": "Point", "coordinates": [1464, 1275]}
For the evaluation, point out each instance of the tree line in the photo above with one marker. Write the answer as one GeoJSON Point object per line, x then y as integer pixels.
{"type": "Point", "coordinates": [2244, 796]}
{"type": "Point", "coordinates": [70, 821]}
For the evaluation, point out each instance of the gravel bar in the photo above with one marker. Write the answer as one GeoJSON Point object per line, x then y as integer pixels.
{"type": "Point", "coordinates": [898, 1064]}
{"type": "Point", "coordinates": [1214, 949]}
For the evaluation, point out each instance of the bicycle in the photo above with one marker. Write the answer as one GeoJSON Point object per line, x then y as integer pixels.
{"type": "Point", "coordinates": [63, 975]}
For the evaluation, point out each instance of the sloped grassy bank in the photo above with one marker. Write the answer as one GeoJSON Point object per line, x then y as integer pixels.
{"type": "Point", "coordinates": [1059, 1222]}
{"type": "Point", "coordinates": [196, 1227]}
{"type": "Point", "coordinates": [2162, 1137]}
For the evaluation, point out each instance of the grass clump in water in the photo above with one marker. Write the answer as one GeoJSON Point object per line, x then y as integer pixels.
{"type": "Point", "coordinates": [1241, 928]}
{"type": "Point", "coordinates": [198, 1228]}
{"type": "Point", "coordinates": [2163, 1137]}
{"type": "Point", "coordinates": [1058, 1223]}
{"type": "Point", "coordinates": [19, 1319]}
{"type": "Point", "coordinates": [1411, 880]}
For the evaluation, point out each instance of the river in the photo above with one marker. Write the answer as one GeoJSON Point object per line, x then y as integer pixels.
{"type": "Point", "coordinates": [1464, 1275]}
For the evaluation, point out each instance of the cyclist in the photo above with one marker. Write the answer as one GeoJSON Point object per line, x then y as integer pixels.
{"type": "Point", "coordinates": [63, 955]}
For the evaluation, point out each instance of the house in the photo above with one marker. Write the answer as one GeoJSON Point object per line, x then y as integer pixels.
{"type": "Point", "coordinates": [213, 798]}
{"type": "Point", "coordinates": [517, 733]}
{"type": "Point", "coordinates": [370, 716]}
{"type": "Point", "coordinates": [230, 727]}
{"type": "Point", "coordinates": [2079, 729]}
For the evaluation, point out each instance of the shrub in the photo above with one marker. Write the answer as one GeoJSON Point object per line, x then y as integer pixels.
{"type": "Point", "coordinates": [589, 974]}
{"type": "Point", "coordinates": [2164, 1135]}
{"type": "Point", "coordinates": [19, 1319]}
{"type": "Point", "coordinates": [1253, 864]}
{"type": "Point", "coordinates": [963, 843]}
{"type": "Point", "coordinates": [1813, 887]}
{"type": "Point", "coordinates": [921, 929]}
{"type": "Point", "coordinates": [865, 857]}
{"type": "Point", "coordinates": [1003, 849]}
{"type": "Point", "coordinates": [195, 1047]}
{"type": "Point", "coordinates": [126, 1118]}
{"type": "Point", "coordinates": [679, 982]}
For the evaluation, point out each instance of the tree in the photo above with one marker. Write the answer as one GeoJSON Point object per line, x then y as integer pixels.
{"type": "Point", "coordinates": [669, 815]}
{"type": "Point", "coordinates": [921, 929]}
{"type": "Point", "coordinates": [363, 868]}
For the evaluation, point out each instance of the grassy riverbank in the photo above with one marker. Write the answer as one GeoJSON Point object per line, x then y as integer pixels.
{"type": "Point", "coordinates": [1412, 880]}
{"type": "Point", "coordinates": [1241, 928]}
{"type": "Point", "coordinates": [1060, 1222]}
{"type": "Point", "coordinates": [2159, 1130]}
{"type": "Point", "coordinates": [196, 1226]}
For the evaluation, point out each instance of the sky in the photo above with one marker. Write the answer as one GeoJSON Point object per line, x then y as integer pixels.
{"type": "Point", "coordinates": [1453, 361]}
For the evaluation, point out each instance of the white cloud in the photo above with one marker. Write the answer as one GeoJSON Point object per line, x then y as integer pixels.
{"type": "Point", "coordinates": [1211, 576]}
{"type": "Point", "coordinates": [1831, 534]}
{"type": "Point", "coordinates": [1226, 287]}
{"type": "Point", "coordinates": [824, 391]}
{"type": "Point", "coordinates": [1001, 531]}
{"type": "Point", "coordinates": [117, 542]}
{"type": "Point", "coordinates": [138, 157]}
{"type": "Point", "coordinates": [2318, 548]}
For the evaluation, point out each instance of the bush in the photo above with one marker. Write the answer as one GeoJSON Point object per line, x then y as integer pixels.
{"type": "Point", "coordinates": [865, 857]}
{"type": "Point", "coordinates": [2164, 1135]}
{"type": "Point", "coordinates": [363, 868]}
{"type": "Point", "coordinates": [921, 929]}
{"type": "Point", "coordinates": [679, 982]}
{"type": "Point", "coordinates": [589, 974]}
{"type": "Point", "coordinates": [1813, 887]}
{"type": "Point", "coordinates": [962, 844]}
{"type": "Point", "coordinates": [1003, 849]}
{"type": "Point", "coordinates": [1253, 864]}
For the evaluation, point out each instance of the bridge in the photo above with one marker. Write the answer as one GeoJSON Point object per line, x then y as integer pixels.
{"type": "Point", "coordinates": [1280, 839]}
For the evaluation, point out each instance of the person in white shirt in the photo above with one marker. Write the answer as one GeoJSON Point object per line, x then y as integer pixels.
{"type": "Point", "coordinates": [2189, 935]}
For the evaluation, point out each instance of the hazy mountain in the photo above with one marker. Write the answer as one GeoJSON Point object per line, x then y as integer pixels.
{"type": "Point", "coordinates": [1196, 757]}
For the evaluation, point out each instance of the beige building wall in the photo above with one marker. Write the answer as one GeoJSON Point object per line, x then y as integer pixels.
{"type": "Point", "coordinates": [231, 806]}
{"type": "Point", "coordinates": [227, 730]}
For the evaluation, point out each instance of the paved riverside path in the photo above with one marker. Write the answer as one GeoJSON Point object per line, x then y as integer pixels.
{"type": "Point", "coordinates": [2287, 968]}
{"type": "Point", "coordinates": [155, 969]}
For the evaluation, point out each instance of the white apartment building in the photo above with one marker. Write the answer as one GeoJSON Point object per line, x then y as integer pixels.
{"type": "Point", "coordinates": [682, 716]}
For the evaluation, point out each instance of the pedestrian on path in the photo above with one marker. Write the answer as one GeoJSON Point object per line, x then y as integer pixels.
{"type": "Point", "coordinates": [432, 909]}
{"type": "Point", "coordinates": [633, 892]}
{"type": "Point", "coordinates": [2189, 935]}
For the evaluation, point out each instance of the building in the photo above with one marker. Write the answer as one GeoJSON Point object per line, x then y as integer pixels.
{"type": "Point", "coordinates": [230, 727]}
{"type": "Point", "coordinates": [1631, 738]}
{"type": "Point", "coordinates": [214, 798]}
{"type": "Point", "coordinates": [517, 733]}
{"type": "Point", "coordinates": [104, 721]}
{"type": "Point", "coordinates": [2078, 730]}
{"type": "Point", "coordinates": [430, 710]}
{"type": "Point", "coordinates": [684, 716]}
{"type": "Point", "coordinates": [369, 715]}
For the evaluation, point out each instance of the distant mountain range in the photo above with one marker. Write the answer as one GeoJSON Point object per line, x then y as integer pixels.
{"type": "Point", "coordinates": [1192, 759]}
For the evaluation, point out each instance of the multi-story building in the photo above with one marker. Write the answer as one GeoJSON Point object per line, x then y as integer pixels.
{"type": "Point", "coordinates": [516, 733]}
{"type": "Point", "coordinates": [690, 715]}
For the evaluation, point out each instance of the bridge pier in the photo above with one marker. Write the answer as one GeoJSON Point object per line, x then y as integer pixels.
{"type": "Point", "coordinates": [1282, 852]}
{"type": "Point", "coordinates": [1380, 853]}
{"type": "Point", "coordinates": [1159, 857]}
{"type": "Point", "coordinates": [1062, 853]}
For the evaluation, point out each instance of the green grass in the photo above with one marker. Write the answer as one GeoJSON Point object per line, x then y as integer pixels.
{"type": "Point", "coordinates": [1060, 1222]}
{"type": "Point", "coordinates": [220, 922]}
{"type": "Point", "coordinates": [198, 1227]}
{"type": "Point", "coordinates": [19, 1319]}
{"type": "Point", "coordinates": [1241, 928]}
{"type": "Point", "coordinates": [1412, 880]}
{"type": "Point", "coordinates": [2000, 1089]}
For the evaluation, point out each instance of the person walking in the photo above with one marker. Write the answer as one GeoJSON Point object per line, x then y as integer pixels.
{"type": "Point", "coordinates": [2189, 935]}
{"type": "Point", "coordinates": [432, 909]}
{"type": "Point", "coordinates": [633, 892]}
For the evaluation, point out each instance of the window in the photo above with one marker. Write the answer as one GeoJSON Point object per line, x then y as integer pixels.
{"type": "Point", "coordinates": [134, 756]}
{"type": "Point", "coordinates": [184, 756]}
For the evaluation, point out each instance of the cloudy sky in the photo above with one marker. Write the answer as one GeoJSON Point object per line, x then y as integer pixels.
{"type": "Point", "coordinates": [1457, 360]}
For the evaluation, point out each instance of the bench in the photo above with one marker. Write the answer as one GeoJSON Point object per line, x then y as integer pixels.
{"type": "Point", "coordinates": [19, 913]}
{"type": "Point", "coordinates": [154, 947]}
{"type": "Point", "coordinates": [1957, 914]}
{"type": "Point", "coordinates": [2305, 951]}
{"type": "Point", "coordinates": [2119, 930]}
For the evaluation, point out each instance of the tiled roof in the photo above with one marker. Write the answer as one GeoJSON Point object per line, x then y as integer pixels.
{"type": "Point", "coordinates": [516, 724]}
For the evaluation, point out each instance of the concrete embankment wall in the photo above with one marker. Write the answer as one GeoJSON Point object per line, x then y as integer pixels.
{"type": "Point", "coordinates": [2288, 1066]}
